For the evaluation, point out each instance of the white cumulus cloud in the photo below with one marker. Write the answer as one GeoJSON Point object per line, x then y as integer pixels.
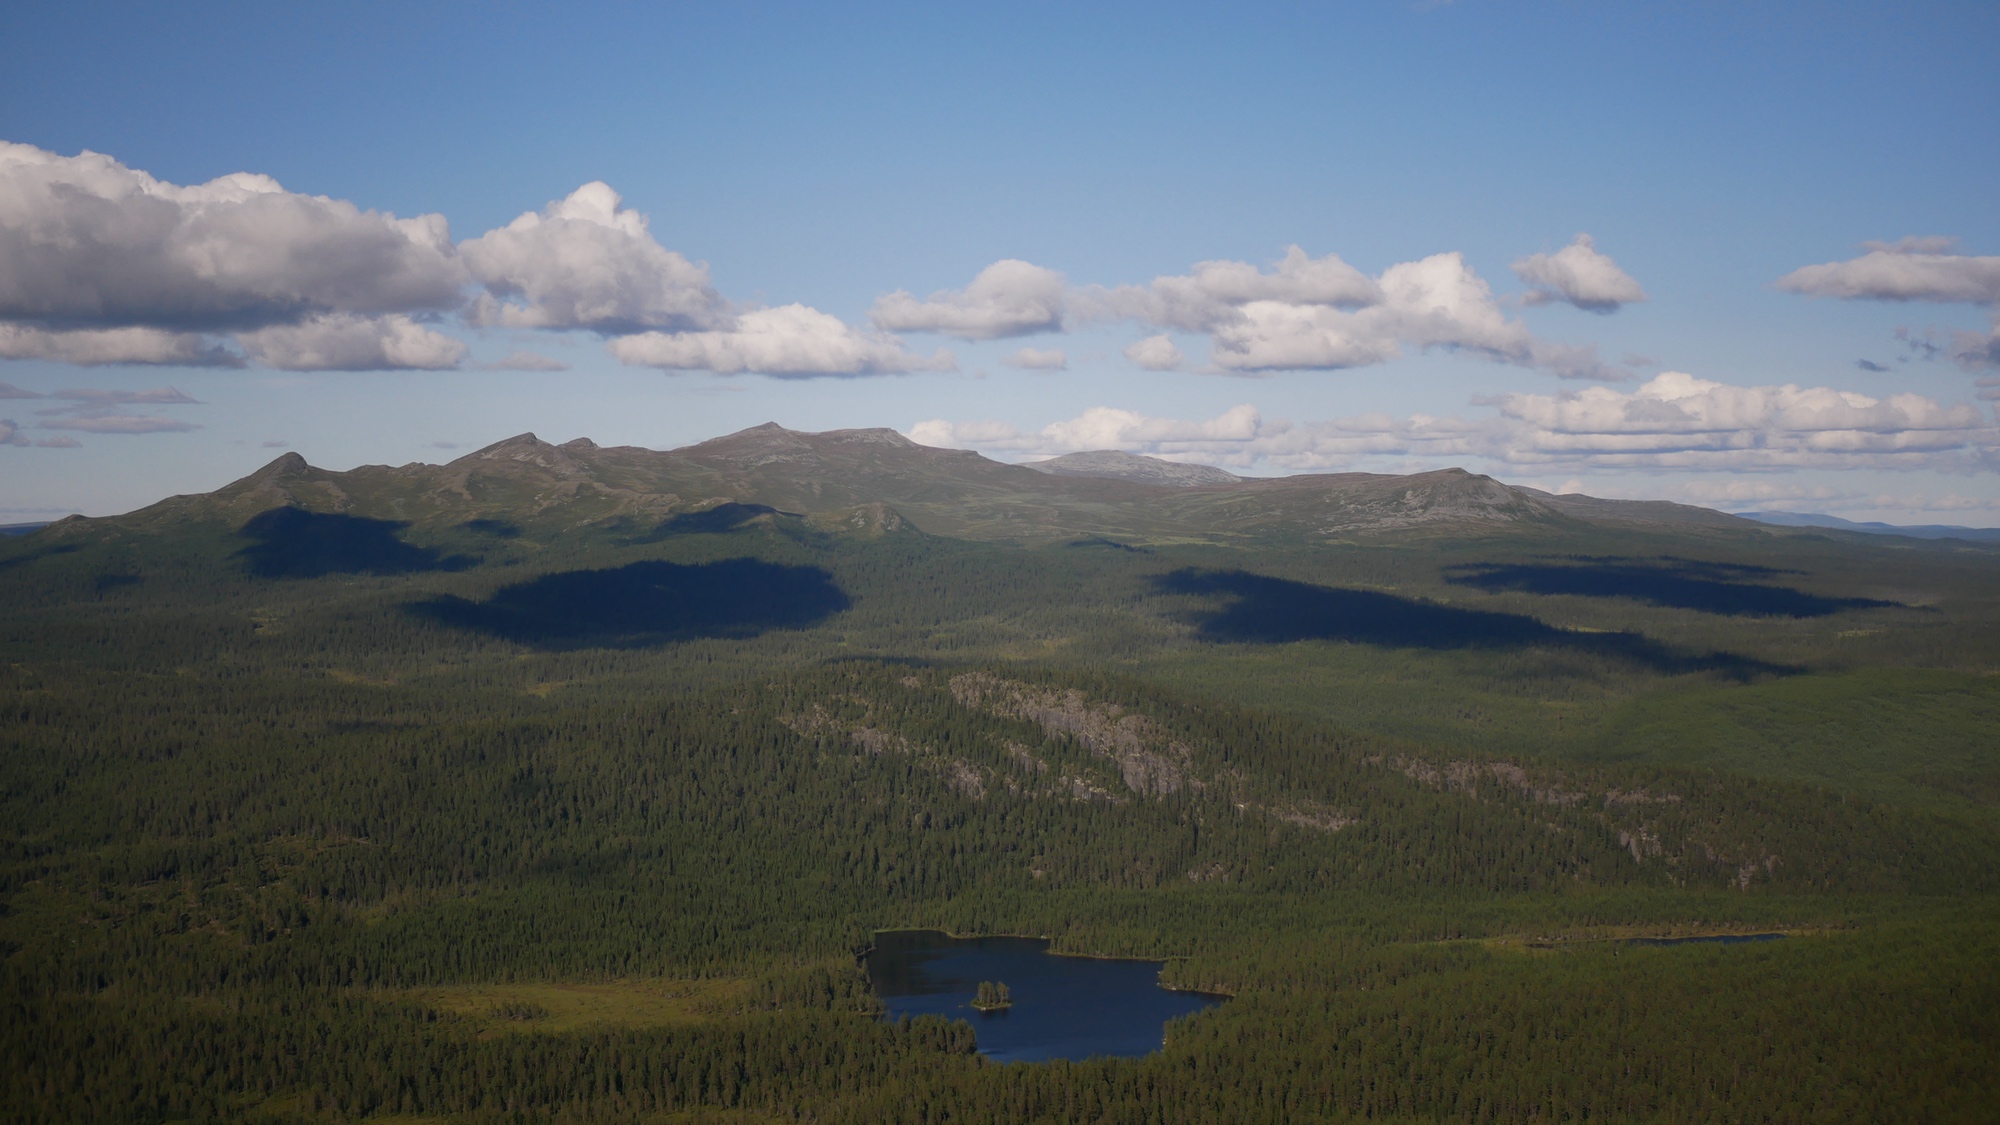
{"type": "Point", "coordinates": [791, 341]}
{"type": "Point", "coordinates": [1308, 313]}
{"type": "Point", "coordinates": [1914, 269]}
{"type": "Point", "coordinates": [1579, 275]}
{"type": "Point", "coordinates": [346, 342]}
{"type": "Point", "coordinates": [1213, 293]}
{"type": "Point", "coordinates": [1008, 298]}
{"type": "Point", "coordinates": [586, 261]}
{"type": "Point", "coordinates": [1436, 302]}
{"type": "Point", "coordinates": [1156, 353]}
{"type": "Point", "coordinates": [86, 242]}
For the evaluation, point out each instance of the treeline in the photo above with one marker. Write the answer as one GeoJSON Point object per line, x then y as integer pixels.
{"type": "Point", "coordinates": [1895, 1025]}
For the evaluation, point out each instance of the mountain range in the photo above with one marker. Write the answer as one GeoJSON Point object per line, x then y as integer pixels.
{"type": "Point", "coordinates": [874, 480]}
{"type": "Point", "coordinates": [1914, 531]}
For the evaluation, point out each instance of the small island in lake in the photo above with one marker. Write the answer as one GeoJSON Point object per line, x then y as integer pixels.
{"type": "Point", "coordinates": [992, 997]}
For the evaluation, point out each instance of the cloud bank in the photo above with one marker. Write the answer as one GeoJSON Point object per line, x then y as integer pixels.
{"type": "Point", "coordinates": [105, 264]}
{"type": "Point", "coordinates": [93, 347]}
{"type": "Point", "coordinates": [104, 412]}
{"type": "Point", "coordinates": [1674, 422]}
{"type": "Point", "coordinates": [1916, 269]}
{"type": "Point", "coordinates": [1300, 314]}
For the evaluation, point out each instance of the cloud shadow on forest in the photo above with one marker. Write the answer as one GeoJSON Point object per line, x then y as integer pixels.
{"type": "Point", "coordinates": [499, 529]}
{"type": "Point", "coordinates": [38, 553]}
{"type": "Point", "coordinates": [295, 543]}
{"type": "Point", "coordinates": [647, 603]}
{"type": "Point", "coordinates": [1264, 610]}
{"type": "Point", "coordinates": [719, 520]}
{"type": "Point", "coordinates": [1717, 588]}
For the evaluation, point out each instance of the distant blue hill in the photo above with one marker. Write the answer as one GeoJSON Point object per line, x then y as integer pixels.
{"type": "Point", "coordinates": [1835, 523]}
{"type": "Point", "coordinates": [21, 528]}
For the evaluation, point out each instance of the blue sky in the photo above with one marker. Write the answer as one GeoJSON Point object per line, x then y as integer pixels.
{"type": "Point", "coordinates": [829, 156]}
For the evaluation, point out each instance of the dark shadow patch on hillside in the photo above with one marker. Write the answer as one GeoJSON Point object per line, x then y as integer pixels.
{"type": "Point", "coordinates": [499, 529]}
{"type": "Point", "coordinates": [1263, 610]}
{"type": "Point", "coordinates": [1717, 588]}
{"type": "Point", "coordinates": [38, 553]}
{"type": "Point", "coordinates": [719, 520]}
{"type": "Point", "coordinates": [295, 543]}
{"type": "Point", "coordinates": [1100, 541]}
{"type": "Point", "coordinates": [647, 603]}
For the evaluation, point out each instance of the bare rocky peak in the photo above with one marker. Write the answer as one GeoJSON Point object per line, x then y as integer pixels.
{"type": "Point", "coordinates": [1454, 494]}
{"type": "Point", "coordinates": [1382, 502]}
{"type": "Point", "coordinates": [286, 464]}
{"type": "Point", "coordinates": [773, 438]}
{"type": "Point", "coordinates": [809, 454]}
{"type": "Point", "coordinates": [1119, 465]}
{"type": "Point", "coordinates": [274, 478]}
{"type": "Point", "coordinates": [876, 435]}
{"type": "Point", "coordinates": [527, 449]}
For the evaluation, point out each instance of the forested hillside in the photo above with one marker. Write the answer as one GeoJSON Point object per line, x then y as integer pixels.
{"type": "Point", "coordinates": [582, 806]}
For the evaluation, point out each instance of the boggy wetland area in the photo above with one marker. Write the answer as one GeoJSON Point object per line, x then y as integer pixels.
{"type": "Point", "coordinates": [568, 783]}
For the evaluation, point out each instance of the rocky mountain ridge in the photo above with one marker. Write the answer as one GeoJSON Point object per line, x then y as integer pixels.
{"type": "Point", "coordinates": [876, 480]}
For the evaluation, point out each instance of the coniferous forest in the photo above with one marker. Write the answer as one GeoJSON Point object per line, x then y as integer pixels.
{"type": "Point", "coordinates": [317, 816]}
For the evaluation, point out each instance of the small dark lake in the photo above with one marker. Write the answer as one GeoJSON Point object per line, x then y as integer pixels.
{"type": "Point", "coordinates": [1064, 1007]}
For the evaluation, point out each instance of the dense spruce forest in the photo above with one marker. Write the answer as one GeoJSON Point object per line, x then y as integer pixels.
{"type": "Point", "coordinates": [545, 809]}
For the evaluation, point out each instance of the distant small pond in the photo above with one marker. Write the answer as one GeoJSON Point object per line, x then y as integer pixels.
{"type": "Point", "coordinates": [1063, 1007]}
